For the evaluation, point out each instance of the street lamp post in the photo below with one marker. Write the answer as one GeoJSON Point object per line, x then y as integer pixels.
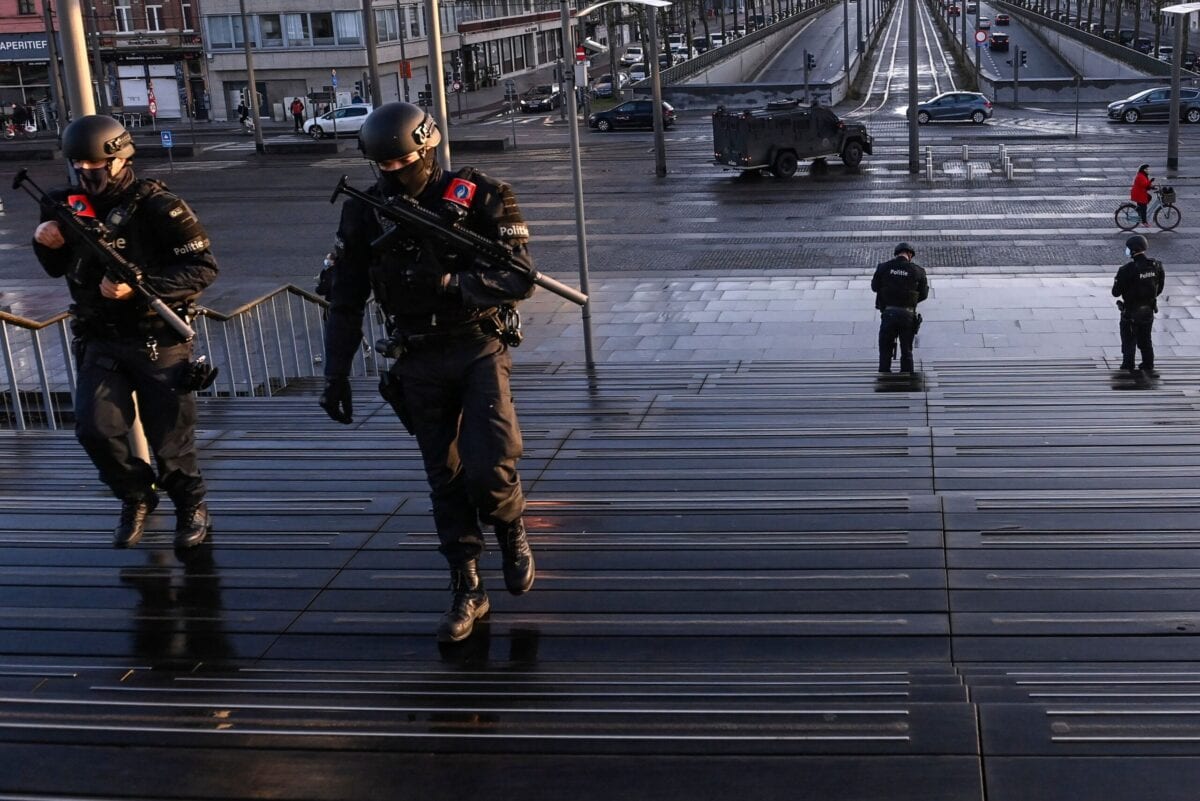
{"type": "Point", "coordinates": [1181, 12]}
{"type": "Point", "coordinates": [914, 135]}
{"type": "Point", "coordinates": [846, 38]}
{"type": "Point", "coordinates": [437, 78]}
{"type": "Point", "coordinates": [251, 84]}
{"type": "Point", "coordinates": [402, 21]}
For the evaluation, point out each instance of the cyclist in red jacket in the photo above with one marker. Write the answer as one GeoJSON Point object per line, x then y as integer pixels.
{"type": "Point", "coordinates": [1140, 192]}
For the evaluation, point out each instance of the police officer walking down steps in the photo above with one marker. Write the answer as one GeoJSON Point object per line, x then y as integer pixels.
{"type": "Point", "coordinates": [122, 347]}
{"type": "Point", "coordinates": [899, 285]}
{"type": "Point", "coordinates": [1138, 284]}
{"type": "Point", "coordinates": [450, 324]}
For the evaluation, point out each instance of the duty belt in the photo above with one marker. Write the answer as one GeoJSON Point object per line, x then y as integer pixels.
{"type": "Point", "coordinates": [463, 331]}
{"type": "Point", "coordinates": [910, 309]}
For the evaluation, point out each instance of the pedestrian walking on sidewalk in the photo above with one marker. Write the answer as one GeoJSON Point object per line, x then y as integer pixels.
{"type": "Point", "coordinates": [450, 323]}
{"type": "Point", "coordinates": [121, 346]}
{"type": "Point", "coordinates": [899, 285]}
{"type": "Point", "coordinates": [1138, 284]}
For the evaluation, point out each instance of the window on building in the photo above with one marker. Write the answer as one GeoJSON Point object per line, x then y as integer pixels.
{"type": "Point", "coordinates": [417, 25]}
{"type": "Point", "coordinates": [123, 13]}
{"type": "Point", "coordinates": [349, 27]}
{"type": "Point", "coordinates": [322, 28]}
{"type": "Point", "coordinates": [506, 56]}
{"type": "Point", "coordinates": [25, 7]}
{"type": "Point", "coordinates": [270, 30]}
{"type": "Point", "coordinates": [298, 33]}
{"type": "Point", "coordinates": [224, 32]}
{"type": "Point", "coordinates": [154, 18]}
{"type": "Point", "coordinates": [189, 22]}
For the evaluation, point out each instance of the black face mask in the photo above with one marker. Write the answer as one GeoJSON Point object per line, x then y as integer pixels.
{"type": "Point", "coordinates": [100, 184]}
{"type": "Point", "coordinates": [408, 180]}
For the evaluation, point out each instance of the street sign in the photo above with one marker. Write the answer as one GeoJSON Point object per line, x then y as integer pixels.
{"type": "Point", "coordinates": [580, 54]}
{"type": "Point", "coordinates": [456, 86]}
{"type": "Point", "coordinates": [333, 77]}
{"type": "Point", "coordinates": [167, 141]}
{"type": "Point", "coordinates": [980, 37]}
{"type": "Point", "coordinates": [152, 103]}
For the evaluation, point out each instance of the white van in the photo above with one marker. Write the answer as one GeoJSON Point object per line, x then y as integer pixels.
{"type": "Point", "coordinates": [633, 55]}
{"type": "Point", "coordinates": [716, 39]}
{"type": "Point", "coordinates": [675, 40]}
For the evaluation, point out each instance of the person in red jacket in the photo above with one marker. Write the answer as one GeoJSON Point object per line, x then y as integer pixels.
{"type": "Point", "coordinates": [1140, 192]}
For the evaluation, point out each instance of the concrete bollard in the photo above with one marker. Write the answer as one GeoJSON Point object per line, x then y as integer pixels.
{"type": "Point", "coordinates": [929, 171]}
{"type": "Point", "coordinates": [966, 153]}
{"type": "Point", "coordinates": [1003, 153]}
{"type": "Point", "coordinates": [970, 170]}
{"type": "Point", "coordinates": [1008, 170]}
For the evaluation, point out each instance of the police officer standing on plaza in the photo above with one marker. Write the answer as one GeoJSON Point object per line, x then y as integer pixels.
{"type": "Point", "coordinates": [448, 320]}
{"type": "Point", "coordinates": [1138, 284]}
{"type": "Point", "coordinates": [121, 346]}
{"type": "Point", "coordinates": [899, 285]}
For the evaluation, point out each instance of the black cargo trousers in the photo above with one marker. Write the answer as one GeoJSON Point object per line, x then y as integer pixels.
{"type": "Point", "coordinates": [896, 322]}
{"type": "Point", "coordinates": [109, 372]}
{"type": "Point", "coordinates": [458, 404]}
{"type": "Point", "coordinates": [1136, 326]}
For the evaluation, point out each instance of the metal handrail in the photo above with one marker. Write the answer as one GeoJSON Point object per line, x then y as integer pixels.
{"type": "Point", "coordinates": [259, 348]}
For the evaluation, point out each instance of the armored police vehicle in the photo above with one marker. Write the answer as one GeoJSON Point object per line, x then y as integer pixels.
{"type": "Point", "coordinates": [778, 135]}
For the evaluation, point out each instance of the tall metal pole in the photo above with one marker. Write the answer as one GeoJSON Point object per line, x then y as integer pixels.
{"type": "Point", "coordinates": [846, 37]}
{"type": "Point", "coordinates": [914, 135]}
{"type": "Point", "coordinates": [1181, 23]}
{"type": "Point", "coordinates": [74, 55]}
{"type": "Point", "coordinates": [98, 64]}
{"type": "Point", "coordinates": [858, 19]}
{"type": "Point", "coordinates": [372, 37]}
{"type": "Point", "coordinates": [660, 142]}
{"type": "Point", "coordinates": [56, 87]}
{"type": "Point", "coordinates": [404, 65]}
{"type": "Point", "coordinates": [577, 177]}
{"type": "Point", "coordinates": [251, 84]}
{"type": "Point", "coordinates": [978, 48]}
{"type": "Point", "coordinates": [437, 79]}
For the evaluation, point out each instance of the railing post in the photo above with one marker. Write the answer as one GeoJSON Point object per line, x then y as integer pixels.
{"type": "Point", "coordinates": [44, 378]}
{"type": "Point", "coordinates": [14, 389]}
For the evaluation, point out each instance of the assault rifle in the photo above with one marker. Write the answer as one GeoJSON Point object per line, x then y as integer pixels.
{"type": "Point", "coordinates": [422, 223]}
{"type": "Point", "coordinates": [94, 236]}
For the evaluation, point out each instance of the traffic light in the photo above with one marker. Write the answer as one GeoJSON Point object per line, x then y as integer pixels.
{"type": "Point", "coordinates": [1023, 57]}
{"type": "Point", "coordinates": [358, 89]}
{"type": "Point", "coordinates": [810, 61]}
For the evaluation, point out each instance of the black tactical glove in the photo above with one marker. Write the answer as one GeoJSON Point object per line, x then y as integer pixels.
{"type": "Point", "coordinates": [335, 400]}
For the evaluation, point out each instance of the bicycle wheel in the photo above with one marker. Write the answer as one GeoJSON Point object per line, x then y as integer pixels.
{"type": "Point", "coordinates": [1167, 217]}
{"type": "Point", "coordinates": [1127, 217]}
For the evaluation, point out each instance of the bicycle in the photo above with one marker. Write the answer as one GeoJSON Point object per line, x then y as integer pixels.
{"type": "Point", "coordinates": [25, 130]}
{"type": "Point", "coordinates": [1162, 210]}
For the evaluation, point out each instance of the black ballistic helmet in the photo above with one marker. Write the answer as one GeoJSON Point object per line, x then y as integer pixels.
{"type": "Point", "coordinates": [96, 137]}
{"type": "Point", "coordinates": [904, 247]}
{"type": "Point", "coordinates": [394, 130]}
{"type": "Point", "coordinates": [1137, 244]}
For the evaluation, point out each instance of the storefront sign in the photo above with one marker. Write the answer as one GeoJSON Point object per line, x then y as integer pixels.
{"type": "Point", "coordinates": [23, 47]}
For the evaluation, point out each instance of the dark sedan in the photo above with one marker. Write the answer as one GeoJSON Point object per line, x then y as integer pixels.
{"type": "Point", "coordinates": [1155, 104]}
{"type": "Point", "coordinates": [998, 41]}
{"type": "Point", "coordinates": [955, 106]}
{"type": "Point", "coordinates": [632, 114]}
{"type": "Point", "coordinates": [1002, 19]}
{"type": "Point", "coordinates": [542, 98]}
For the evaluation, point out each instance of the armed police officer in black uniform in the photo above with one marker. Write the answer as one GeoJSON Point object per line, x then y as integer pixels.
{"type": "Point", "coordinates": [448, 321]}
{"type": "Point", "coordinates": [899, 285]}
{"type": "Point", "coordinates": [1139, 282]}
{"type": "Point", "coordinates": [121, 346]}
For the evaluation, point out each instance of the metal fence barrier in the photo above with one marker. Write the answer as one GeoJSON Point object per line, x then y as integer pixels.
{"type": "Point", "coordinates": [259, 347]}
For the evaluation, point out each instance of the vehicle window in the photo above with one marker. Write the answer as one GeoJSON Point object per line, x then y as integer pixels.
{"type": "Point", "coordinates": [357, 112]}
{"type": "Point", "coordinates": [643, 106]}
{"type": "Point", "coordinates": [340, 113]}
{"type": "Point", "coordinates": [626, 108]}
{"type": "Point", "coordinates": [1159, 94]}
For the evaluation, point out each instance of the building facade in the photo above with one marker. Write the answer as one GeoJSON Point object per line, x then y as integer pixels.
{"type": "Point", "coordinates": [305, 48]}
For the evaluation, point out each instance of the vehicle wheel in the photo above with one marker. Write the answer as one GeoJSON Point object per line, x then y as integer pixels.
{"type": "Point", "coordinates": [978, 117]}
{"type": "Point", "coordinates": [1131, 115]}
{"type": "Point", "coordinates": [784, 165]}
{"type": "Point", "coordinates": [852, 154]}
{"type": "Point", "coordinates": [1127, 217]}
{"type": "Point", "coordinates": [1167, 217]}
{"type": "Point", "coordinates": [603, 126]}
{"type": "Point", "coordinates": [922, 117]}
{"type": "Point", "coordinates": [1193, 115]}
{"type": "Point", "coordinates": [316, 132]}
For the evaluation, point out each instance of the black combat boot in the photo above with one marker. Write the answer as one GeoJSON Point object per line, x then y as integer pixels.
{"type": "Point", "coordinates": [191, 525]}
{"type": "Point", "coordinates": [518, 558]}
{"type": "Point", "coordinates": [470, 603]}
{"type": "Point", "coordinates": [134, 511]}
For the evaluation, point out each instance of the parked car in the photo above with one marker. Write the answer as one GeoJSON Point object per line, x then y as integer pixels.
{"type": "Point", "coordinates": [631, 114]}
{"type": "Point", "coordinates": [679, 53]}
{"type": "Point", "coordinates": [972, 8]}
{"type": "Point", "coordinates": [638, 72]}
{"type": "Point", "coordinates": [952, 11]}
{"type": "Point", "coordinates": [1002, 19]}
{"type": "Point", "coordinates": [633, 54]}
{"type": "Point", "coordinates": [1125, 36]}
{"type": "Point", "coordinates": [1166, 53]}
{"type": "Point", "coordinates": [676, 40]}
{"type": "Point", "coordinates": [543, 97]}
{"type": "Point", "coordinates": [955, 106]}
{"type": "Point", "coordinates": [343, 120]}
{"type": "Point", "coordinates": [1155, 104]}
{"type": "Point", "coordinates": [700, 44]}
{"type": "Point", "coordinates": [1109, 34]}
{"type": "Point", "coordinates": [716, 40]}
{"type": "Point", "coordinates": [998, 41]}
{"type": "Point", "coordinates": [984, 23]}
{"type": "Point", "coordinates": [602, 86]}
